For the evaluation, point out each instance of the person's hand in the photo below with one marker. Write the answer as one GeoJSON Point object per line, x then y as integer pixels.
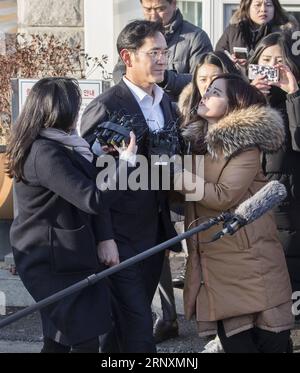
{"type": "Point", "coordinates": [108, 149]}
{"type": "Point", "coordinates": [287, 81]}
{"type": "Point", "coordinates": [239, 61]}
{"type": "Point", "coordinates": [128, 153]}
{"type": "Point", "coordinates": [261, 83]}
{"type": "Point", "coordinates": [131, 148]}
{"type": "Point", "coordinates": [108, 253]}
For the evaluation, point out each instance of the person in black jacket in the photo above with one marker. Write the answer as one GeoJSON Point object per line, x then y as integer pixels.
{"type": "Point", "coordinates": [276, 50]}
{"type": "Point", "coordinates": [253, 20]}
{"type": "Point", "coordinates": [186, 43]}
{"type": "Point", "coordinates": [141, 218]}
{"type": "Point", "coordinates": [61, 233]}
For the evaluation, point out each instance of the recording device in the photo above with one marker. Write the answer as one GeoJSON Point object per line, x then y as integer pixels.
{"type": "Point", "coordinates": [240, 52]}
{"type": "Point", "coordinates": [168, 141]}
{"type": "Point", "coordinates": [253, 208]}
{"type": "Point", "coordinates": [116, 132]}
{"type": "Point", "coordinates": [271, 73]}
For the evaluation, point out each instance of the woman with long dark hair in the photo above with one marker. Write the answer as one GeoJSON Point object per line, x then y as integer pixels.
{"type": "Point", "coordinates": [252, 21]}
{"type": "Point", "coordinates": [276, 50]}
{"type": "Point", "coordinates": [61, 233]}
{"type": "Point", "coordinates": [237, 287]}
{"type": "Point", "coordinates": [210, 65]}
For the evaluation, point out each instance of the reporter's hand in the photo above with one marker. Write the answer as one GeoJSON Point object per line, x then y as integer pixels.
{"type": "Point", "coordinates": [108, 149]}
{"type": "Point", "coordinates": [108, 253]}
{"type": "Point", "coordinates": [128, 153]}
{"type": "Point", "coordinates": [239, 61]}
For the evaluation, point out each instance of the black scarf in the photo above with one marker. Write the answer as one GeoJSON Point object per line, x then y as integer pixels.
{"type": "Point", "coordinates": [253, 36]}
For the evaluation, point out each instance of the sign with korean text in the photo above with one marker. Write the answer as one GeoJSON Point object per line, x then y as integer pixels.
{"type": "Point", "coordinates": [90, 89]}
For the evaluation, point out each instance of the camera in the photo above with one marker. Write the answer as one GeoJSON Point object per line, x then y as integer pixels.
{"type": "Point", "coordinates": [269, 72]}
{"type": "Point", "coordinates": [116, 131]}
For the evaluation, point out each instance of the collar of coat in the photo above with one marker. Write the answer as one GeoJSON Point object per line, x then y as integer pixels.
{"type": "Point", "coordinates": [255, 126]}
{"type": "Point", "coordinates": [175, 23]}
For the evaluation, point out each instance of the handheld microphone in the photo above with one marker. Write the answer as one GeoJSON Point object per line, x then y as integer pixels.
{"type": "Point", "coordinates": [254, 207]}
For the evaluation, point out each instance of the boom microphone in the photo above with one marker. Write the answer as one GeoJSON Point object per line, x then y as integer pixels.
{"type": "Point", "coordinates": [251, 209]}
{"type": "Point", "coordinates": [254, 207]}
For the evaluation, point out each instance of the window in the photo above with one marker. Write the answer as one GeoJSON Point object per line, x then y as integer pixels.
{"type": "Point", "coordinates": [191, 11]}
{"type": "Point", "coordinates": [229, 9]}
{"type": "Point", "coordinates": [294, 10]}
{"type": "Point", "coordinates": [8, 16]}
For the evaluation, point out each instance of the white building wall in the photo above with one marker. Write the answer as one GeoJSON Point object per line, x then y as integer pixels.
{"type": "Point", "coordinates": [104, 19]}
{"type": "Point", "coordinates": [99, 29]}
{"type": "Point", "coordinates": [124, 12]}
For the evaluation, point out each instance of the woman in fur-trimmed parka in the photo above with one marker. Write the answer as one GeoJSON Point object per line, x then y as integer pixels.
{"type": "Point", "coordinates": [238, 286]}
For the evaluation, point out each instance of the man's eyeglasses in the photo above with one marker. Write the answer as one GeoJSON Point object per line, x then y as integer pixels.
{"type": "Point", "coordinates": [156, 54]}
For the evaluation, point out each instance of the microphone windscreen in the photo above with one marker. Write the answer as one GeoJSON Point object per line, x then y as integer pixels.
{"type": "Point", "coordinates": [265, 199]}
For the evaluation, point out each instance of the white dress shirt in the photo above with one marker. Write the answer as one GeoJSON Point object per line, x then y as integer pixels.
{"type": "Point", "coordinates": [150, 106]}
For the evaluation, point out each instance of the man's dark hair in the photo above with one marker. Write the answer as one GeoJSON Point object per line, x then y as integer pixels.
{"type": "Point", "coordinates": [134, 34]}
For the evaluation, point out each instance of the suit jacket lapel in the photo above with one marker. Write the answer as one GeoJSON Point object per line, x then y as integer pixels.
{"type": "Point", "coordinates": [129, 102]}
{"type": "Point", "coordinates": [166, 108]}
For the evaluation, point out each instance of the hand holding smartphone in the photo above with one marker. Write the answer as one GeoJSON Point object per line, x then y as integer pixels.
{"type": "Point", "coordinates": [240, 53]}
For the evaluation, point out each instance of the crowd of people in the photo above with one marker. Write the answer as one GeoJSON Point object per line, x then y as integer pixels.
{"type": "Point", "coordinates": [248, 132]}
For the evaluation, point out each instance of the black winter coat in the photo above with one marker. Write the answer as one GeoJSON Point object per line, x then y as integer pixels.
{"type": "Point", "coordinates": [139, 216]}
{"type": "Point", "coordinates": [54, 239]}
{"type": "Point", "coordinates": [285, 167]}
{"type": "Point", "coordinates": [239, 34]}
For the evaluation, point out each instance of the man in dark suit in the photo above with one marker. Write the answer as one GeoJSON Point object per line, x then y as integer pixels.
{"type": "Point", "coordinates": [141, 218]}
{"type": "Point", "coordinates": [186, 43]}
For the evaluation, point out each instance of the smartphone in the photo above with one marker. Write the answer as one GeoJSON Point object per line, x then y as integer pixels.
{"type": "Point", "coordinates": [269, 72]}
{"type": "Point", "coordinates": [240, 53]}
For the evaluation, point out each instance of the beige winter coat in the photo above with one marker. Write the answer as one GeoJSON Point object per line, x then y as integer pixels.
{"type": "Point", "coordinates": [246, 273]}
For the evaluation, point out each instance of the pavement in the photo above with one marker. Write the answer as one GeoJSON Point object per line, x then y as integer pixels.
{"type": "Point", "coordinates": [25, 335]}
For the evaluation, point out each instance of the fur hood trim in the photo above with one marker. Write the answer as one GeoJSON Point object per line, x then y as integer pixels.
{"type": "Point", "coordinates": [255, 126]}
{"type": "Point", "coordinates": [184, 98]}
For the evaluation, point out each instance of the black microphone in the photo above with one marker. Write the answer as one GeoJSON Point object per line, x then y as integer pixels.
{"type": "Point", "coordinates": [254, 207]}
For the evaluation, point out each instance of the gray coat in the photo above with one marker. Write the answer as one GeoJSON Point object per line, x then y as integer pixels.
{"type": "Point", "coordinates": [186, 43]}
